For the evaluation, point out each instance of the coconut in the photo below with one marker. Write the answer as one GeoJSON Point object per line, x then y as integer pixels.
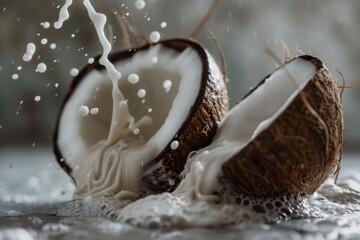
{"type": "Point", "coordinates": [290, 132]}
{"type": "Point", "coordinates": [175, 91]}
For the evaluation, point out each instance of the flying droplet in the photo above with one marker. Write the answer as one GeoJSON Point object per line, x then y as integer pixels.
{"type": "Point", "coordinates": [140, 4]}
{"type": "Point", "coordinates": [155, 36]}
{"type": "Point", "coordinates": [133, 78]}
{"type": "Point", "coordinates": [41, 68]}
{"type": "Point", "coordinates": [141, 93]}
{"type": "Point", "coordinates": [74, 72]}
{"type": "Point", "coordinates": [83, 111]}
{"type": "Point", "coordinates": [163, 25]}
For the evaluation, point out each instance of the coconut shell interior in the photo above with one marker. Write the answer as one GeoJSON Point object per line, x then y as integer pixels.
{"type": "Point", "coordinates": [299, 150]}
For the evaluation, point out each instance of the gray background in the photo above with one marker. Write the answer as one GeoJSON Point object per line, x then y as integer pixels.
{"type": "Point", "coordinates": [328, 29]}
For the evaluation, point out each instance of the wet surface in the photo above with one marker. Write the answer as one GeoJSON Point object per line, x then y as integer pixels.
{"type": "Point", "coordinates": [31, 191]}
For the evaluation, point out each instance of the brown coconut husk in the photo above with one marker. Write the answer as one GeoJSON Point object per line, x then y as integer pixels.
{"type": "Point", "coordinates": [299, 150]}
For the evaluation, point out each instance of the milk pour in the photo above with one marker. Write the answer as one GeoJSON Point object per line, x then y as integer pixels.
{"type": "Point", "coordinates": [194, 202]}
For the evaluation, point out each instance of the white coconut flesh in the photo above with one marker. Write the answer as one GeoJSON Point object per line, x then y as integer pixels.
{"type": "Point", "coordinates": [243, 124]}
{"type": "Point", "coordinates": [158, 109]}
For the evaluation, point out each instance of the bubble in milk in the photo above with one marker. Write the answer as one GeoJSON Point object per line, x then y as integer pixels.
{"type": "Point", "coordinates": [155, 36]}
{"type": "Point", "coordinates": [163, 24]}
{"type": "Point", "coordinates": [140, 4]}
{"type": "Point", "coordinates": [15, 76]}
{"type": "Point", "coordinates": [133, 78]}
{"type": "Point", "coordinates": [41, 68]}
{"type": "Point", "coordinates": [44, 41]}
{"type": "Point", "coordinates": [141, 93]}
{"type": "Point", "coordinates": [30, 50]}
{"type": "Point", "coordinates": [74, 72]}
{"type": "Point", "coordinates": [167, 85]}
{"type": "Point", "coordinates": [37, 98]}
{"type": "Point", "coordinates": [84, 111]}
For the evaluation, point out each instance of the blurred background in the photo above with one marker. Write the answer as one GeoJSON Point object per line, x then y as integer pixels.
{"type": "Point", "coordinates": [328, 29]}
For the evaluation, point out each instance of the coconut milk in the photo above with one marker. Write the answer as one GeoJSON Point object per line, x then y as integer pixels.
{"type": "Point", "coordinates": [114, 167]}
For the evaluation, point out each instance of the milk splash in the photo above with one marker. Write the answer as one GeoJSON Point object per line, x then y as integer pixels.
{"type": "Point", "coordinates": [192, 204]}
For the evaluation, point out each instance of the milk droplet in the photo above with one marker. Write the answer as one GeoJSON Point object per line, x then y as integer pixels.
{"type": "Point", "coordinates": [154, 59]}
{"type": "Point", "coordinates": [91, 60]}
{"type": "Point", "coordinates": [44, 41]}
{"type": "Point", "coordinates": [73, 35]}
{"type": "Point", "coordinates": [139, 4]}
{"type": "Point", "coordinates": [155, 36]}
{"type": "Point", "coordinates": [136, 131]}
{"type": "Point", "coordinates": [53, 46]}
{"type": "Point", "coordinates": [174, 145]}
{"type": "Point", "coordinates": [141, 93]}
{"type": "Point", "coordinates": [133, 78]}
{"type": "Point", "coordinates": [15, 76]}
{"type": "Point", "coordinates": [19, 68]}
{"type": "Point", "coordinates": [163, 24]}
{"type": "Point", "coordinates": [74, 72]}
{"type": "Point", "coordinates": [94, 111]}
{"type": "Point", "coordinates": [30, 50]}
{"type": "Point", "coordinates": [83, 111]}
{"type": "Point", "coordinates": [37, 98]}
{"type": "Point", "coordinates": [167, 85]}
{"type": "Point", "coordinates": [46, 25]}
{"type": "Point", "coordinates": [41, 68]}
{"type": "Point", "coordinates": [150, 110]}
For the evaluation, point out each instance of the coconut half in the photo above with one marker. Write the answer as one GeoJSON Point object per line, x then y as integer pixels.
{"type": "Point", "coordinates": [176, 94]}
{"type": "Point", "coordinates": [284, 138]}
{"type": "Point", "coordinates": [292, 123]}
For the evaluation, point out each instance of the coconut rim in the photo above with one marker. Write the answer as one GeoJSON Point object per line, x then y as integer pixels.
{"type": "Point", "coordinates": [177, 44]}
